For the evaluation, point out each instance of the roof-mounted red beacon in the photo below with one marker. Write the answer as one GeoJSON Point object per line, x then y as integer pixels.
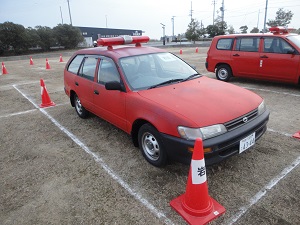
{"type": "Point", "coordinates": [280, 30]}
{"type": "Point", "coordinates": [122, 40]}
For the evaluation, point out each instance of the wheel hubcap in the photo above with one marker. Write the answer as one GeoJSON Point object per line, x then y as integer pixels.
{"type": "Point", "coordinates": [78, 105]}
{"type": "Point", "coordinates": [150, 146]}
{"type": "Point", "coordinates": [223, 74]}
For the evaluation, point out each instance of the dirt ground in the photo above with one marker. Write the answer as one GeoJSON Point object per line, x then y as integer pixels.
{"type": "Point", "coordinates": [56, 168]}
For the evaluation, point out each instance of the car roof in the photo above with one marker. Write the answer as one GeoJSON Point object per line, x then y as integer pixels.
{"type": "Point", "coordinates": [119, 51]}
{"type": "Point", "coordinates": [256, 35]}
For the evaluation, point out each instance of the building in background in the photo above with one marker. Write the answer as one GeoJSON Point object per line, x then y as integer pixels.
{"type": "Point", "coordinates": [91, 34]}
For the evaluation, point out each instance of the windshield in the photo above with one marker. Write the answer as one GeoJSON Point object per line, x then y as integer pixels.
{"type": "Point", "coordinates": [152, 70]}
{"type": "Point", "coordinates": [295, 39]}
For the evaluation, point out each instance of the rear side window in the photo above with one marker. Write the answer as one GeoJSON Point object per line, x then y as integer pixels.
{"type": "Point", "coordinates": [75, 64]}
{"type": "Point", "coordinates": [225, 44]}
{"type": "Point", "coordinates": [247, 44]}
{"type": "Point", "coordinates": [88, 67]}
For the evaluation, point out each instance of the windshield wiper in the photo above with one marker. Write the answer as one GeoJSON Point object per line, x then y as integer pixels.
{"type": "Point", "coordinates": [190, 77]}
{"type": "Point", "coordinates": [165, 82]}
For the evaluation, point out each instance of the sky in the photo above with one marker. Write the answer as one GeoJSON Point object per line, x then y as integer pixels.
{"type": "Point", "coordinates": [144, 15]}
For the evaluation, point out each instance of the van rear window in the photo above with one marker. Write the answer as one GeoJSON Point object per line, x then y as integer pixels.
{"type": "Point", "coordinates": [225, 44]}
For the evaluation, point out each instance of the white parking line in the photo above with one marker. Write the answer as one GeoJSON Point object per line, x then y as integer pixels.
{"type": "Point", "coordinates": [278, 132]}
{"type": "Point", "coordinates": [18, 113]}
{"type": "Point", "coordinates": [276, 92]}
{"type": "Point", "coordinates": [263, 191]}
{"type": "Point", "coordinates": [100, 161]}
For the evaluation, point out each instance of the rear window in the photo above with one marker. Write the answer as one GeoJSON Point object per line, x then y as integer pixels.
{"type": "Point", "coordinates": [225, 44]}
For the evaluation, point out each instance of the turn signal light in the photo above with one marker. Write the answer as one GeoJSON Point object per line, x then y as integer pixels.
{"type": "Point", "coordinates": [205, 150]}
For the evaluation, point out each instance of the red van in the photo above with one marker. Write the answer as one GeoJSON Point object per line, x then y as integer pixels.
{"type": "Point", "coordinates": [271, 56]}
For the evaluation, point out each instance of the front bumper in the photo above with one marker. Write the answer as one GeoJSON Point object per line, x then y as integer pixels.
{"type": "Point", "coordinates": [223, 146]}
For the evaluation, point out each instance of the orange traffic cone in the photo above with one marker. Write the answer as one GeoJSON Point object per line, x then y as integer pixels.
{"type": "Point", "coordinates": [30, 61]}
{"type": "Point", "coordinates": [4, 70]}
{"type": "Point", "coordinates": [180, 52]}
{"type": "Point", "coordinates": [196, 206]}
{"type": "Point", "coordinates": [60, 59]}
{"type": "Point", "coordinates": [47, 65]}
{"type": "Point", "coordinates": [46, 102]}
{"type": "Point", "coordinates": [197, 50]}
{"type": "Point", "coordinates": [297, 135]}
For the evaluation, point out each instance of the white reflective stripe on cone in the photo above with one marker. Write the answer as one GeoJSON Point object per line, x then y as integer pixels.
{"type": "Point", "coordinates": [42, 90]}
{"type": "Point", "coordinates": [198, 171]}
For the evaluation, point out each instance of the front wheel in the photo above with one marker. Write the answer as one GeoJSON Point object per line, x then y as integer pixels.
{"type": "Point", "coordinates": [151, 146]}
{"type": "Point", "coordinates": [81, 111]}
{"type": "Point", "coordinates": [223, 72]}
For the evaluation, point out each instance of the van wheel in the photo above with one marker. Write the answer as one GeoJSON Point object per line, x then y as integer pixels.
{"type": "Point", "coordinates": [223, 72]}
{"type": "Point", "coordinates": [151, 145]}
{"type": "Point", "coordinates": [81, 111]}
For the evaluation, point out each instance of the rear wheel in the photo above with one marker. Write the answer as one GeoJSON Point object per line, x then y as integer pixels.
{"type": "Point", "coordinates": [223, 72]}
{"type": "Point", "coordinates": [81, 111]}
{"type": "Point", "coordinates": [151, 145]}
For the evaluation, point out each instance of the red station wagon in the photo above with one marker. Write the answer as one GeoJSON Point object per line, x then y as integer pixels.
{"type": "Point", "coordinates": [162, 102]}
{"type": "Point", "coordinates": [271, 56]}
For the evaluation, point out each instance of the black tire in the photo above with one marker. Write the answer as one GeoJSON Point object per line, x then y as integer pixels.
{"type": "Point", "coordinates": [223, 72]}
{"type": "Point", "coordinates": [151, 145]}
{"type": "Point", "coordinates": [81, 111]}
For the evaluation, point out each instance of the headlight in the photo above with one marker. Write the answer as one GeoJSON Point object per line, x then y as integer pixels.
{"type": "Point", "coordinates": [261, 108]}
{"type": "Point", "coordinates": [212, 131]}
{"type": "Point", "coordinates": [204, 132]}
{"type": "Point", "coordinates": [189, 133]}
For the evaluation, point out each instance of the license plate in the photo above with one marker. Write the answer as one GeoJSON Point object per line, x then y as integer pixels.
{"type": "Point", "coordinates": [247, 142]}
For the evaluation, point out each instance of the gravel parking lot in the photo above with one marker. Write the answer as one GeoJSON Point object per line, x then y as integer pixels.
{"type": "Point", "coordinates": [56, 168]}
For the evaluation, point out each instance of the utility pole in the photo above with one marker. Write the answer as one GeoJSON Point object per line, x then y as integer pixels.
{"type": "Point", "coordinates": [173, 26]}
{"type": "Point", "coordinates": [69, 12]}
{"type": "Point", "coordinates": [191, 11]}
{"type": "Point", "coordinates": [62, 20]}
{"type": "Point", "coordinates": [266, 10]}
{"type": "Point", "coordinates": [163, 27]}
{"type": "Point", "coordinates": [214, 3]}
{"type": "Point", "coordinates": [222, 10]}
{"type": "Point", "coordinates": [258, 19]}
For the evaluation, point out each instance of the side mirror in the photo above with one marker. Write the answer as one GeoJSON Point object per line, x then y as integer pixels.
{"type": "Point", "coordinates": [291, 51]}
{"type": "Point", "coordinates": [113, 85]}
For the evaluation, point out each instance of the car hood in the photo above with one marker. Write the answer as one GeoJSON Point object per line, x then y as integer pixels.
{"type": "Point", "coordinates": [204, 101]}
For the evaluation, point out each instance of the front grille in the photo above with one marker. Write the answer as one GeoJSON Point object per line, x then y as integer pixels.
{"type": "Point", "coordinates": [233, 124]}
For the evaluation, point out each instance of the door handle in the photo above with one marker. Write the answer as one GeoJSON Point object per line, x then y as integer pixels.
{"type": "Point", "coordinates": [76, 83]}
{"type": "Point", "coordinates": [236, 55]}
{"type": "Point", "coordinates": [96, 92]}
{"type": "Point", "coordinates": [264, 56]}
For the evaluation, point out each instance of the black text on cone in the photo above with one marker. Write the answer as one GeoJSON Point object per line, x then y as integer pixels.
{"type": "Point", "coordinates": [196, 206]}
{"type": "Point", "coordinates": [46, 101]}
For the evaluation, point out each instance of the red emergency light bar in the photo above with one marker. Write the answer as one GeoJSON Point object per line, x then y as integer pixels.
{"type": "Point", "coordinates": [122, 40]}
{"type": "Point", "coordinates": [280, 30]}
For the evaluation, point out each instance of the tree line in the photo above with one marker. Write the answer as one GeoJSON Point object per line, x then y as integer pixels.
{"type": "Point", "coordinates": [196, 31]}
{"type": "Point", "coordinates": [17, 38]}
